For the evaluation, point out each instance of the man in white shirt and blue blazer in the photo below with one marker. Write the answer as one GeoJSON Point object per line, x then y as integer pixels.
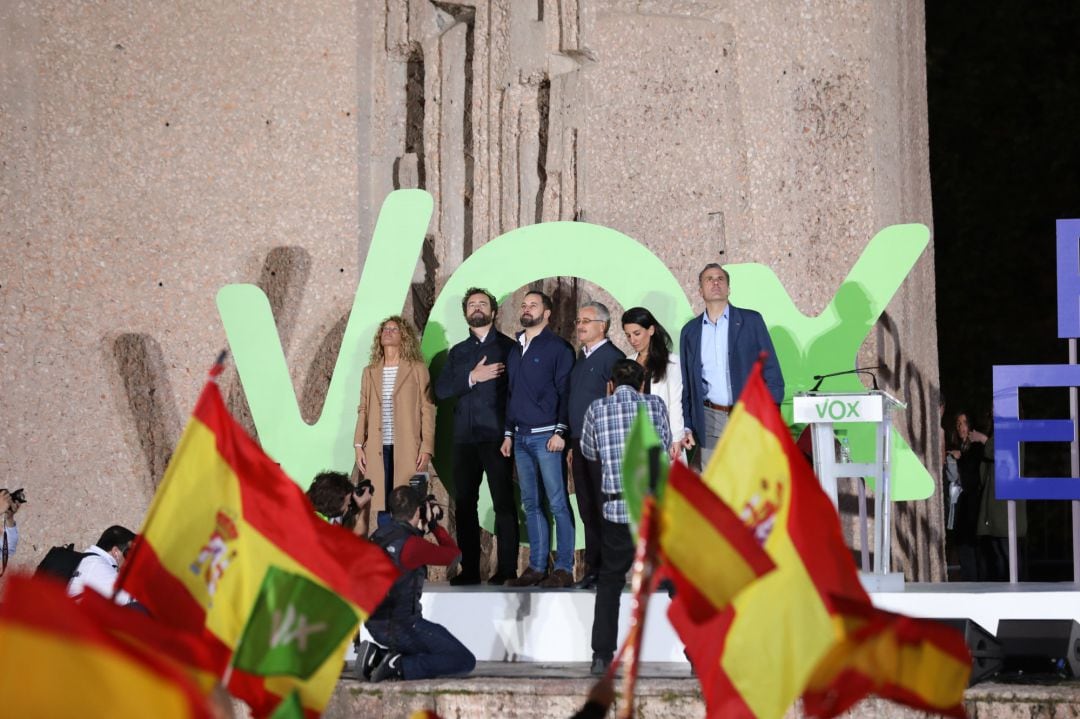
{"type": "Point", "coordinates": [717, 349]}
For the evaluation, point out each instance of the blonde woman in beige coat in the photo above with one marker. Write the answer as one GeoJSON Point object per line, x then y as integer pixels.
{"type": "Point", "coordinates": [395, 426]}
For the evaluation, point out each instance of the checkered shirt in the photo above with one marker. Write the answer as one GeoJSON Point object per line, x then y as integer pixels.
{"type": "Point", "coordinates": [607, 425]}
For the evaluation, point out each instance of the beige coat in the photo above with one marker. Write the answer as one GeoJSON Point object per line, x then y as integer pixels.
{"type": "Point", "coordinates": [414, 423]}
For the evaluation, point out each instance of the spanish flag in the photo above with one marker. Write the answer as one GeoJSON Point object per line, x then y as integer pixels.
{"type": "Point", "coordinates": [232, 549]}
{"type": "Point", "coordinates": [187, 651]}
{"type": "Point", "coordinates": [755, 658]}
{"type": "Point", "coordinates": [707, 551]}
{"type": "Point", "coordinates": [918, 662]}
{"type": "Point", "coordinates": [58, 661]}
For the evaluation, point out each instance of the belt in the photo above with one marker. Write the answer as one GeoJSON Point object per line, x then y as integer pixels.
{"type": "Point", "coordinates": [718, 407]}
{"type": "Point", "coordinates": [612, 497]}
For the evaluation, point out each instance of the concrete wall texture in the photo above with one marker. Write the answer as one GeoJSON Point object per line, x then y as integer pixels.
{"type": "Point", "coordinates": [152, 153]}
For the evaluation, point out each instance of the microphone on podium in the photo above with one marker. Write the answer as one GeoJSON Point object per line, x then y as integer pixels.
{"type": "Point", "coordinates": [858, 370]}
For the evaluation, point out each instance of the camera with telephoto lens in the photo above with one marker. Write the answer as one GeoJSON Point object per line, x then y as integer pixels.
{"type": "Point", "coordinates": [419, 484]}
{"type": "Point", "coordinates": [19, 495]}
{"type": "Point", "coordinates": [436, 510]}
{"type": "Point", "coordinates": [348, 520]}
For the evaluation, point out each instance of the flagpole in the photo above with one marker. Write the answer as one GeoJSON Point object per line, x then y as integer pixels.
{"type": "Point", "coordinates": [641, 586]}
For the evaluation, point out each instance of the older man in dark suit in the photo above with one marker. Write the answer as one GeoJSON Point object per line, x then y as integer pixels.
{"type": "Point", "coordinates": [716, 350]}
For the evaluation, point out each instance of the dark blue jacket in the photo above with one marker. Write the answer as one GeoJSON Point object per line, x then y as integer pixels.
{"type": "Point", "coordinates": [588, 381]}
{"type": "Point", "coordinates": [538, 392]}
{"type": "Point", "coordinates": [402, 602]}
{"type": "Point", "coordinates": [480, 411]}
{"type": "Point", "coordinates": [747, 338]}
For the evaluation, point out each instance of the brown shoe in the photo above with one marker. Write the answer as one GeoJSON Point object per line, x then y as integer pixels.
{"type": "Point", "coordinates": [530, 578]}
{"type": "Point", "coordinates": [559, 579]}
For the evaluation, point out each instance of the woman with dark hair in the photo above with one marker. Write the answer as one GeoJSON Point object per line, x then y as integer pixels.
{"type": "Point", "coordinates": [395, 427]}
{"type": "Point", "coordinates": [965, 450]}
{"type": "Point", "coordinates": [662, 374]}
{"type": "Point", "coordinates": [337, 500]}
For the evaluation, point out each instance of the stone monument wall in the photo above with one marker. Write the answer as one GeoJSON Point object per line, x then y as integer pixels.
{"type": "Point", "coordinates": [155, 152]}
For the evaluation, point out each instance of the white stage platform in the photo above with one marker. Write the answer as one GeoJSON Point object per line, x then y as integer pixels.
{"type": "Point", "coordinates": [528, 625]}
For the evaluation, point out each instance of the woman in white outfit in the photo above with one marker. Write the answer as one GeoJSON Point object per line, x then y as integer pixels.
{"type": "Point", "coordinates": [662, 374]}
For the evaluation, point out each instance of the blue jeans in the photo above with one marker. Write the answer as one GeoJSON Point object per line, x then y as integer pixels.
{"type": "Point", "coordinates": [532, 458]}
{"type": "Point", "coordinates": [427, 649]}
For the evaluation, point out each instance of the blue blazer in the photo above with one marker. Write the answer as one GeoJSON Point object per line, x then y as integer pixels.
{"type": "Point", "coordinates": [747, 338]}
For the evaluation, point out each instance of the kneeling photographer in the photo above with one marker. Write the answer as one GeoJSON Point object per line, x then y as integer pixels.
{"type": "Point", "coordinates": [339, 502]}
{"type": "Point", "coordinates": [412, 647]}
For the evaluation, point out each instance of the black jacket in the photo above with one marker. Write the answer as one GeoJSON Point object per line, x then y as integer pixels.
{"type": "Point", "coordinates": [480, 411]}
{"type": "Point", "coordinates": [588, 382]}
{"type": "Point", "coordinates": [403, 599]}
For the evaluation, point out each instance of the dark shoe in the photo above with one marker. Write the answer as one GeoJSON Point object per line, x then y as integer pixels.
{"type": "Point", "coordinates": [500, 579]}
{"type": "Point", "coordinates": [464, 580]}
{"type": "Point", "coordinates": [559, 579]}
{"type": "Point", "coordinates": [586, 582]}
{"type": "Point", "coordinates": [599, 666]}
{"type": "Point", "coordinates": [530, 578]}
{"type": "Point", "coordinates": [389, 668]}
{"type": "Point", "coordinates": [368, 656]}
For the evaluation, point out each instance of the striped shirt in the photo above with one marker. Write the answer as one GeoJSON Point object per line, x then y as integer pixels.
{"type": "Point", "coordinates": [389, 376]}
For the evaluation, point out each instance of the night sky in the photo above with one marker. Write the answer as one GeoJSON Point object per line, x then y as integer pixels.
{"type": "Point", "coordinates": [1004, 98]}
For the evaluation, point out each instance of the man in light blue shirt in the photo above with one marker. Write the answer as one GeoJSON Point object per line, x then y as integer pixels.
{"type": "Point", "coordinates": [717, 349]}
{"type": "Point", "coordinates": [714, 357]}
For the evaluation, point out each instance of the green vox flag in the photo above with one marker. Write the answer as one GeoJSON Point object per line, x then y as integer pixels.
{"type": "Point", "coordinates": [289, 708]}
{"type": "Point", "coordinates": [635, 465]}
{"type": "Point", "coordinates": [293, 627]}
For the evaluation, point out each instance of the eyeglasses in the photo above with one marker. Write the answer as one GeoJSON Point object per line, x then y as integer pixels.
{"type": "Point", "coordinates": [583, 321]}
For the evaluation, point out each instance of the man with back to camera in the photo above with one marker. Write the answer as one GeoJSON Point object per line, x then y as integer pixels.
{"type": "Point", "coordinates": [588, 382]}
{"type": "Point", "coordinates": [98, 570]}
{"type": "Point", "coordinates": [414, 647]}
{"type": "Point", "coordinates": [606, 426]}
{"type": "Point", "coordinates": [537, 414]}
{"type": "Point", "coordinates": [474, 374]}
{"type": "Point", "coordinates": [717, 349]}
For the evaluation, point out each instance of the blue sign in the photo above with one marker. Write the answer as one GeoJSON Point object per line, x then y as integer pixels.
{"type": "Point", "coordinates": [1009, 429]}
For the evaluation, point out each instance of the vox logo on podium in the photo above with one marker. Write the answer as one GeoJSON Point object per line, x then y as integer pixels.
{"type": "Point", "coordinates": [837, 409]}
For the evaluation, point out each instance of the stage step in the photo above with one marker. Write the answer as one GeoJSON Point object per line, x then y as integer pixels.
{"type": "Point", "coordinates": [539, 690]}
{"type": "Point", "coordinates": [532, 625]}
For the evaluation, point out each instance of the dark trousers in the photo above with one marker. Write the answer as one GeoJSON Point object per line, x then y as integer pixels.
{"type": "Point", "coordinates": [471, 461]}
{"type": "Point", "coordinates": [994, 559]}
{"type": "Point", "coordinates": [427, 649]}
{"type": "Point", "coordinates": [388, 473]}
{"type": "Point", "coordinates": [969, 560]}
{"type": "Point", "coordinates": [616, 557]}
{"type": "Point", "coordinates": [590, 501]}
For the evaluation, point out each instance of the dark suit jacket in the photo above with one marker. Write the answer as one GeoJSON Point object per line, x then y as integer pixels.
{"type": "Point", "coordinates": [747, 338]}
{"type": "Point", "coordinates": [480, 410]}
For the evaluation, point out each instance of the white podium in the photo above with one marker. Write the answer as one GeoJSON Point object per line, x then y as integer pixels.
{"type": "Point", "coordinates": [821, 410]}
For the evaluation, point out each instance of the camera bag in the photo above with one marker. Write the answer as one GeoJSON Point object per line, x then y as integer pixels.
{"type": "Point", "coordinates": [60, 562]}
